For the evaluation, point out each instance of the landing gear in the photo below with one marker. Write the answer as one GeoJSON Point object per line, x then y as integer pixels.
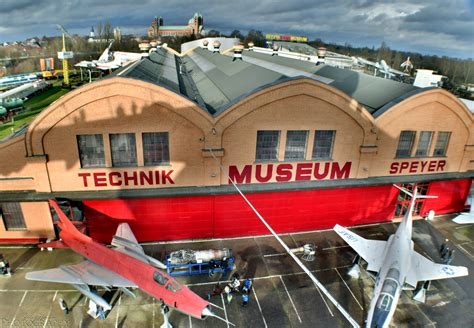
{"type": "Point", "coordinates": [165, 309]}
{"type": "Point", "coordinates": [354, 271]}
{"type": "Point", "coordinates": [419, 294]}
{"type": "Point", "coordinates": [96, 311]}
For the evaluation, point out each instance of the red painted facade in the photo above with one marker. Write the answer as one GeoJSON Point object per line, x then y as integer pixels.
{"type": "Point", "coordinates": [215, 216]}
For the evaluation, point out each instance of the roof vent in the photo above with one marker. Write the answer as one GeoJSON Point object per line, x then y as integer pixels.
{"type": "Point", "coordinates": [238, 52]}
{"type": "Point", "coordinates": [275, 48]}
{"type": "Point", "coordinates": [251, 44]}
{"type": "Point", "coordinates": [205, 43]}
{"type": "Point", "coordinates": [216, 45]}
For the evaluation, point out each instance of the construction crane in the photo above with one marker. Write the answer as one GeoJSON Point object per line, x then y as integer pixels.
{"type": "Point", "coordinates": [64, 55]}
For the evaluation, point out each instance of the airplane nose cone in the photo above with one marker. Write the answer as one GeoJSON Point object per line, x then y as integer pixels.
{"type": "Point", "coordinates": [207, 313]}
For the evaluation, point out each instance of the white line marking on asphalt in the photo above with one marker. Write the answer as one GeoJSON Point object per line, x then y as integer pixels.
{"type": "Point", "coordinates": [335, 247]}
{"type": "Point", "coordinates": [225, 311]}
{"type": "Point", "coordinates": [349, 289]}
{"type": "Point", "coordinates": [50, 309]}
{"type": "Point", "coordinates": [18, 308]}
{"type": "Point", "coordinates": [324, 300]}
{"type": "Point", "coordinates": [291, 300]}
{"type": "Point", "coordinates": [80, 323]}
{"type": "Point", "coordinates": [190, 322]}
{"type": "Point", "coordinates": [259, 307]}
{"type": "Point", "coordinates": [278, 254]}
{"type": "Point", "coordinates": [465, 251]}
{"type": "Point", "coordinates": [268, 277]}
{"type": "Point", "coordinates": [153, 312]}
{"type": "Point", "coordinates": [118, 310]}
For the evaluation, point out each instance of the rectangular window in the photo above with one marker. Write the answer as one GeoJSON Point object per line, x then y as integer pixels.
{"type": "Point", "coordinates": [442, 143]}
{"type": "Point", "coordinates": [323, 144]}
{"type": "Point", "coordinates": [156, 148]}
{"type": "Point", "coordinates": [405, 144]}
{"type": "Point", "coordinates": [267, 145]}
{"type": "Point", "coordinates": [124, 149]}
{"type": "Point", "coordinates": [12, 216]}
{"type": "Point", "coordinates": [296, 145]}
{"type": "Point", "coordinates": [91, 150]}
{"type": "Point", "coordinates": [424, 143]}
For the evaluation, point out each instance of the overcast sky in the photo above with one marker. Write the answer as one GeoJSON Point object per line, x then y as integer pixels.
{"type": "Point", "coordinates": [438, 27]}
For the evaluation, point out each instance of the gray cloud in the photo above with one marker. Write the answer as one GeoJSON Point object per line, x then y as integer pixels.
{"type": "Point", "coordinates": [427, 26]}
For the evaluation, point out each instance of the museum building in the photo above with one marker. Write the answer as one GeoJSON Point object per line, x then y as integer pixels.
{"type": "Point", "coordinates": [155, 144]}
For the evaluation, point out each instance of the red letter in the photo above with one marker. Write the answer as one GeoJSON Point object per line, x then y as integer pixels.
{"type": "Point", "coordinates": [166, 176]}
{"type": "Point", "coordinates": [404, 166]}
{"type": "Point", "coordinates": [393, 168]}
{"type": "Point", "coordinates": [338, 173]}
{"type": "Point", "coordinates": [258, 173]}
{"type": "Point", "coordinates": [321, 176]}
{"type": "Point", "coordinates": [148, 178]}
{"type": "Point", "coordinates": [303, 171]}
{"type": "Point", "coordinates": [441, 165]}
{"type": "Point", "coordinates": [84, 178]}
{"type": "Point", "coordinates": [423, 164]}
{"type": "Point", "coordinates": [237, 177]}
{"type": "Point", "coordinates": [432, 166]}
{"type": "Point", "coordinates": [283, 172]}
{"type": "Point", "coordinates": [112, 182]}
{"type": "Point", "coordinates": [413, 167]}
{"type": "Point", "coordinates": [99, 179]}
{"type": "Point", "coordinates": [130, 178]}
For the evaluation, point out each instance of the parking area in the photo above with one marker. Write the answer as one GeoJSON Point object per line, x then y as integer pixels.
{"type": "Point", "coordinates": [282, 295]}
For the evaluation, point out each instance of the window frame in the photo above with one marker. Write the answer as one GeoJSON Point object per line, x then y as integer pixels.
{"type": "Point", "coordinates": [331, 149]}
{"type": "Point", "coordinates": [79, 136]}
{"type": "Point", "coordinates": [135, 164]}
{"type": "Point", "coordinates": [410, 151]}
{"type": "Point", "coordinates": [305, 147]}
{"type": "Point", "coordinates": [448, 139]}
{"type": "Point", "coordinates": [17, 210]}
{"type": "Point", "coordinates": [277, 147]}
{"type": "Point", "coordinates": [166, 151]}
{"type": "Point", "coordinates": [428, 147]}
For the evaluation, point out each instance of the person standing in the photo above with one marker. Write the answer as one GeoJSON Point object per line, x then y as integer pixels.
{"type": "Point", "coordinates": [245, 298]}
{"type": "Point", "coordinates": [444, 246]}
{"type": "Point", "coordinates": [215, 292]}
{"type": "Point", "coordinates": [228, 292]}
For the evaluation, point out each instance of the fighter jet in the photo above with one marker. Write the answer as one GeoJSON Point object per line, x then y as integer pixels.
{"type": "Point", "coordinates": [398, 266]}
{"type": "Point", "coordinates": [111, 60]}
{"type": "Point", "coordinates": [125, 265]}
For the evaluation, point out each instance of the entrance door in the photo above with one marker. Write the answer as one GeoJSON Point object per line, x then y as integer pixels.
{"type": "Point", "coordinates": [403, 200]}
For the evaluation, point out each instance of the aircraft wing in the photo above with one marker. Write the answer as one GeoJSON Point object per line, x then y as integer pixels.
{"type": "Point", "coordinates": [370, 250]}
{"type": "Point", "coordinates": [86, 272]}
{"type": "Point", "coordinates": [423, 269]}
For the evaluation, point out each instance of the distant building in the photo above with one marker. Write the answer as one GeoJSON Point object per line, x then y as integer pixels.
{"type": "Point", "coordinates": [194, 27]}
{"type": "Point", "coordinates": [91, 35]}
{"type": "Point", "coordinates": [117, 34]}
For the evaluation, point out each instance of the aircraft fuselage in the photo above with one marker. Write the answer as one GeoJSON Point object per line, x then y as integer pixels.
{"type": "Point", "coordinates": [391, 278]}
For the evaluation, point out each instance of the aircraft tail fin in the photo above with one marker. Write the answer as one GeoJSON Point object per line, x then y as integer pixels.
{"type": "Point", "coordinates": [64, 222]}
{"type": "Point", "coordinates": [407, 219]}
{"type": "Point", "coordinates": [105, 55]}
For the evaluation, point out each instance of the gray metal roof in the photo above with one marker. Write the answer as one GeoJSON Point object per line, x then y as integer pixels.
{"type": "Point", "coordinates": [215, 81]}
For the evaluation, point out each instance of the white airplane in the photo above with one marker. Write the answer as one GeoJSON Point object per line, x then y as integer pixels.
{"type": "Point", "coordinates": [398, 265]}
{"type": "Point", "coordinates": [381, 67]}
{"type": "Point", "coordinates": [407, 64]}
{"type": "Point", "coordinates": [111, 60]}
